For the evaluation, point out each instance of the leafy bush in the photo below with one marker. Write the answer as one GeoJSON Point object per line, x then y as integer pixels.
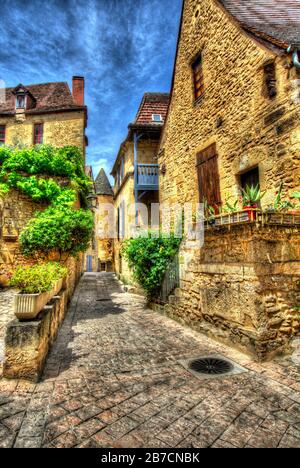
{"type": "Point", "coordinates": [149, 257]}
{"type": "Point", "coordinates": [38, 278]}
{"type": "Point", "coordinates": [61, 229]}
{"type": "Point", "coordinates": [22, 169]}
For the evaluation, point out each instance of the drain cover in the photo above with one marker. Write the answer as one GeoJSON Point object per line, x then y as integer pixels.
{"type": "Point", "coordinates": [211, 365]}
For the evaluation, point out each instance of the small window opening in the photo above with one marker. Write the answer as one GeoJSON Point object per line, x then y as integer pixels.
{"type": "Point", "coordinates": [270, 82]}
{"type": "Point", "coordinates": [250, 178]}
{"type": "Point", "coordinates": [197, 67]}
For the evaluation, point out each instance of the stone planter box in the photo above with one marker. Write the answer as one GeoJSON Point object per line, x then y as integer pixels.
{"type": "Point", "coordinates": [28, 306]}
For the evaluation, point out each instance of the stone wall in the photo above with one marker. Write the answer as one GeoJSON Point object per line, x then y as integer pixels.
{"type": "Point", "coordinates": [242, 287]}
{"type": "Point", "coordinates": [16, 210]}
{"type": "Point", "coordinates": [60, 129]}
{"type": "Point", "coordinates": [248, 128]}
{"type": "Point", "coordinates": [27, 343]}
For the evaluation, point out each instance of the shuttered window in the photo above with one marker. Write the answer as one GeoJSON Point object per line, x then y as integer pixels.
{"type": "Point", "coordinates": [38, 136]}
{"type": "Point", "coordinates": [208, 177]}
{"type": "Point", "coordinates": [198, 77]}
{"type": "Point", "coordinates": [2, 135]}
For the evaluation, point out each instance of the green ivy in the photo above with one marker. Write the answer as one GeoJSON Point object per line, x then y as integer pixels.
{"type": "Point", "coordinates": [149, 257]}
{"type": "Point", "coordinates": [30, 169]}
{"type": "Point", "coordinates": [60, 227]}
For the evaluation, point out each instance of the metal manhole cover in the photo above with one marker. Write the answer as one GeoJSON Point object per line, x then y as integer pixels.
{"type": "Point", "coordinates": [211, 365]}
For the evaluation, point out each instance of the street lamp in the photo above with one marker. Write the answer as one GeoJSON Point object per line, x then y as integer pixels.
{"type": "Point", "coordinates": [92, 202]}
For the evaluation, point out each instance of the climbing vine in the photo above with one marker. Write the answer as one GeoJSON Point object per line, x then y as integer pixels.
{"type": "Point", "coordinates": [32, 171]}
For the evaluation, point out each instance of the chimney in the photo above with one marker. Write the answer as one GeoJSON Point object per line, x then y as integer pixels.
{"type": "Point", "coordinates": [78, 90]}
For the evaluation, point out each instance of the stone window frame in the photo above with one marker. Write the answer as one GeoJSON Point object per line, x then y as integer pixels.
{"type": "Point", "coordinates": [196, 65]}
{"type": "Point", "coordinates": [270, 82]}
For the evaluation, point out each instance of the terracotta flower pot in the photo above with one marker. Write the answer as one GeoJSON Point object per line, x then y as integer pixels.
{"type": "Point", "coordinates": [251, 213]}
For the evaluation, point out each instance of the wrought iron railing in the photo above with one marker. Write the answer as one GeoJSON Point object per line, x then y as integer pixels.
{"type": "Point", "coordinates": [171, 281]}
{"type": "Point", "coordinates": [147, 175]}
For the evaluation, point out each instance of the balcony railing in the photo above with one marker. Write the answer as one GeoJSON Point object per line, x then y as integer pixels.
{"type": "Point", "coordinates": [147, 176]}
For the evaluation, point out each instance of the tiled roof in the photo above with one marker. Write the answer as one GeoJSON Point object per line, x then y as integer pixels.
{"type": "Point", "coordinates": [48, 96]}
{"type": "Point", "coordinates": [152, 103]}
{"type": "Point", "coordinates": [273, 21]}
{"type": "Point", "coordinates": [102, 184]}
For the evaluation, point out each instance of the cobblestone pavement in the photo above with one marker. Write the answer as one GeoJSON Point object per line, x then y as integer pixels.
{"type": "Point", "coordinates": [113, 379]}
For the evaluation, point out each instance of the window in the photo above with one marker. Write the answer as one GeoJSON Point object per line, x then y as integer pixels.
{"type": "Point", "coordinates": [20, 101]}
{"type": "Point", "coordinates": [270, 84]}
{"type": "Point", "coordinates": [38, 134]}
{"type": "Point", "coordinates": [250, 178]}
{"type": "Point", "coordinates": [121, 220]}
{"type": "Point", "coordinates": [157, 118]}
{"type": "Point", "coordinates": [208, 177]}
{"type": "Point", "coordinates": [198, 77]}
{"type": "Point", "coordinates": [2, 135]}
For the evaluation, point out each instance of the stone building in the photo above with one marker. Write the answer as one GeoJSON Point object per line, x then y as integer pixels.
{"type": "Point", "coordinates": [44, 113]}
{"type": "Point", "coordinates": [104, 242]}
{"type": "Point", "coordinates": [99, 257]}
{"type": "Point", "coordinates": [234, 112]}
{"type": "Point", "coordinates": [233, 121]}
{"type": "Point", "coordinates": [136, 172]}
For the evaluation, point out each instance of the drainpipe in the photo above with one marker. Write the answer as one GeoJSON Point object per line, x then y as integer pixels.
{"type": "Point", "coordinates": [293, 48]}
{"type": "Point", "coordinates": [136, 192]}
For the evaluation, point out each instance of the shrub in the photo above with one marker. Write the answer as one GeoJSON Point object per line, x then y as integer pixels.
{"type": "Point", "coordinates": [38, 278]}
{"type": "Point", "coordinates": [61, 229]}
{"type": "Point", "coordinates": [23, 169]}
{"type": "Point", "coordinates": [149, 257]}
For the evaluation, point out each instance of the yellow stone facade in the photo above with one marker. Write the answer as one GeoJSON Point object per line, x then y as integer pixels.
{"type": "Point", "coordinates": [60, 128]}
{"type": "Point", "coordinates": [248, 128]}
{"type": "Point", "coordinates": [124, 193]}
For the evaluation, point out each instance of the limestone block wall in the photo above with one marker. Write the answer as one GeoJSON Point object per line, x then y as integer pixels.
{"type": "Point", "coordinates": [242, 287]}
{"type": "Point", "coordinates": [16, 210]}
{"type": "Point", "coordinates": [248, 128]}
{"type": "Point", "coordinates": [27, 343]}
{"type": "Point", "coordinates": [60, 129]}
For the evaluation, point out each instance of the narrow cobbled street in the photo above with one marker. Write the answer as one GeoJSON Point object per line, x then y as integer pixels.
{"type": "Point", "coordinates": [113, 379]}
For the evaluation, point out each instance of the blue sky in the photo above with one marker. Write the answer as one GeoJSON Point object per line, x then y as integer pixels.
{"type": "Point", "coordinates": [123, 48]}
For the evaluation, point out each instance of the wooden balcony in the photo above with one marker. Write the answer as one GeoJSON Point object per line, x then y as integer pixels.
{"type": "Point", "coordinates": [147, 176]}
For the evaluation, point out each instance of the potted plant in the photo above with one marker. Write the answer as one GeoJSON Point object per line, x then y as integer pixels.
{"type": "Point", "coordinates": [296, 195]}
{"type": "Point", "coordinates": [252, 195]}
{"type": "Point", "coordinates": [209, 213]}
{"type": "Point", "coordinates": [37, 284]}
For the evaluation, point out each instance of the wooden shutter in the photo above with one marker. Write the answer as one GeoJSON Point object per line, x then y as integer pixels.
{"type": "Point", "coordinates": [208, 177]}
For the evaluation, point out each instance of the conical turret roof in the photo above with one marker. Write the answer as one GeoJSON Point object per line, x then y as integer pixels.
{"type": "Point", "coordinates": [102, 184]}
